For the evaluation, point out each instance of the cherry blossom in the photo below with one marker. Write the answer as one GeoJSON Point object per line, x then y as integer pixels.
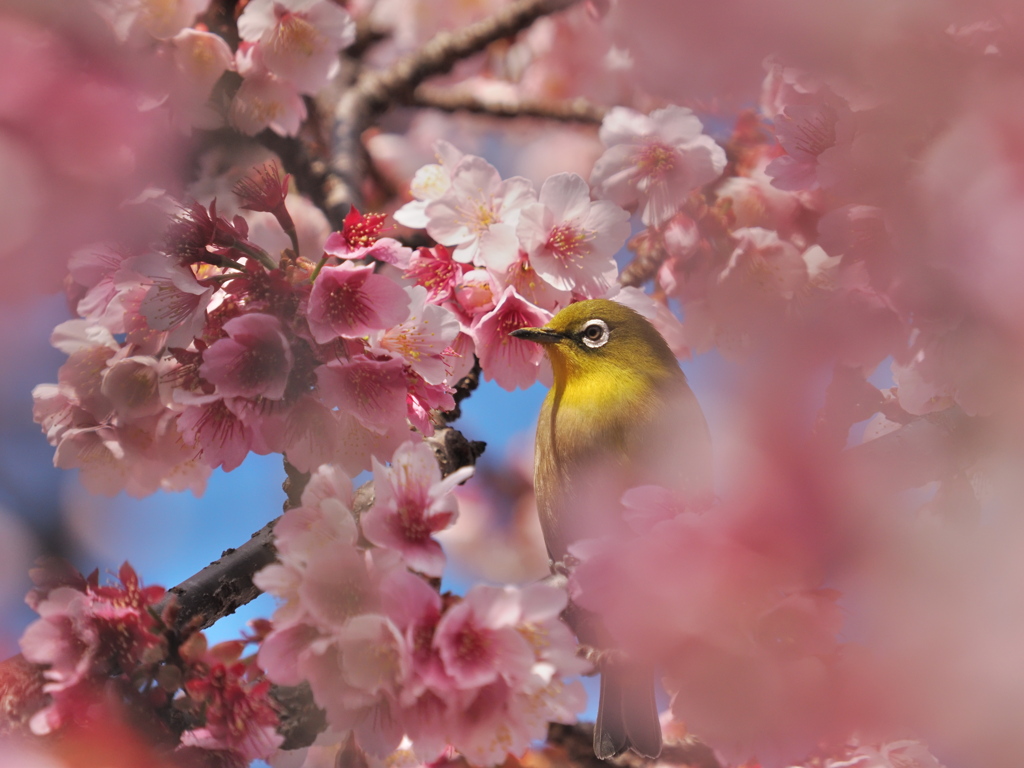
{"type": "Point", "coordinates": [571, 241]}
{"type": "Point", "coordinates": [200, 58]}
{"type": "Point", "coordinates": [412, 502]}
{"type": "Point", "coordinates": [239, 715]}
{"type": "Point", "coordinates": [511, 362]}
{"type": "Point", "coordinates": [654, 161]}
{"type": "Point", "coordinates": [159, 18]}
{"type": "Point", "coordinates": [373, 391]}
{"type": "Point", "coordinates": [254, 359]}
{"type": "Point", "coordinates": [436, 270]}
{"type": "Point", "coordinates": [299, 40]}
{"type": "Point", "coordinates": [424, 341]}
{"type": "Point", "coordinates": [79, 624]}
{"type": "Point", "coordinates": [360, 239]}
{"type": "Point", "coordinates": [263, 101]}
{"type": "Point", "coordinates": [353, 301]}
{"type": "Point", "coordinates": [429, 184]}
{"type": "Point", "coordinates": [478, 214]}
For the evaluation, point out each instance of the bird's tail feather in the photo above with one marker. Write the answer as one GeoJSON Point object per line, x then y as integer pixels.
{"type": "Point", "coordinates": [627, 714]}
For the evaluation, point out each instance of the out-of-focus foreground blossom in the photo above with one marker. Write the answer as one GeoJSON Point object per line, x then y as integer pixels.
{"type": "Point", "coordinates": [74, 146]}
{"type": "Point", "coordinates": [825, 198]}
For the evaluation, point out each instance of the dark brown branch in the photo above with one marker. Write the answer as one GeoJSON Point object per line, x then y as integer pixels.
{"type": "Point", "coordinates": [447, 100]}
{"type": "Point", "coordinates": [375, 91]}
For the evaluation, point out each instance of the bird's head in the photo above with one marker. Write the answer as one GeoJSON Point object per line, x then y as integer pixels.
{"type": "Point", "coordinates": [602, 337]}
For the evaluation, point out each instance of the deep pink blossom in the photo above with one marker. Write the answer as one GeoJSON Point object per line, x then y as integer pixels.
{"type": "Point", "coordinates": [360, 239]}
{"type": "Point", "coordinates": [511, 362]}
{"type": "Point", "coordinates": [436, 270]}
{"type": "Point", "coordinates": [240, 716]}
{"type": "Point", "coordinates": [86, 631]}
{"type": "Point", "coordinates": [371, 390]}
{"type": "Point", "coordinates": [254, 360]}
{"type": "Point", "coordinates": [353, 301]}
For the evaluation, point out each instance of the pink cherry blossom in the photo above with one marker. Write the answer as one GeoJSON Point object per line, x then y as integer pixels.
{"type": "Point", "coordinates": [220, 431]}
{"type": "Point", "coordinates": [475, 293]}
{"type": "Point", "coordinates": [811, 130]}
{"type": "Point", "coordinates": [371, 390]}
{"type": "Point", "coordinates": [240, 716]}
{"type": "Point", "coordinates": [132, 384]}
{"type": "Point", "coordinates": [429, 184]}
{"type": "Point", "coordinates": [299, 39]}
{"type": "Point", "coordinates": [424, 400]}
{"type": "Point", "coordinates": [436, 270]}
{"type": "Point", "coordinates": [200, 58]}
{"type": "Point", "coordinates": [263, 101]}
{"type": "Point", "coordinates": [424, 341]}
{"type": "Point", "coordinates": [654, 161]}
{"type": "Point", "coordinates": [176, 301]}
{"type": "Point", "coordinates": [86, 631]}
{"type": "Point", "coordinates": [411, 503]}
{"type": "Point", "coordinates": [360, 239]}
{"type": "Point", "coordinates": [478, 214]}
{"type": "Point", "coordinates": [571, 241]}
{"type": "Point", "coordinates": [478, 642]}
{"type": "Point", "coordinates": [352, 301]}
{"type": "Point", "coordinates": [254, 360]}
{"type": "Point", "coordinates": [159, 18]}
{"type": "Point", "coordinates": [531, 286]}
{"type": "Point", "coordinates": [96, 269]}
{"type": "Point", "coordinates": [511, 362]}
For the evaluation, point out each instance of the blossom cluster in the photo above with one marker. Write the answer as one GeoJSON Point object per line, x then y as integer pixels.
{"type": "Point", "coordinates": [195, 352]}
{"type": "Point", "coordinates": [288, 48]}
{"type": "Point", "coordinates": [388, 658]}
{"type": "Point", "coordinates": [509, 256]}
{"type": "Point", "coordinates": [107, 646]}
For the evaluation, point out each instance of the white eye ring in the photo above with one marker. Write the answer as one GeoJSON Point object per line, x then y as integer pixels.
{"type": "Point", "coordinates": [592, 339]}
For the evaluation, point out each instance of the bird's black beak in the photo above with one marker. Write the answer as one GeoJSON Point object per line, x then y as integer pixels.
{"type": "Point", "coordinates": [539, 335]}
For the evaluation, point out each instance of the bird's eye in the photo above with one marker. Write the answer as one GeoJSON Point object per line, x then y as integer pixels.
{"type": "Point", "coordinates": [595, 333]}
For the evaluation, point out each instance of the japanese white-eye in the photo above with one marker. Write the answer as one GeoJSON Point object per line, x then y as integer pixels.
{"type": "Point", "coordinates": [619, 415]}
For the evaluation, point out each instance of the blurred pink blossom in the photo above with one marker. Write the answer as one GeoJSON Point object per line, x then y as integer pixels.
{"type": "Point", "coordinates": [654, 161]}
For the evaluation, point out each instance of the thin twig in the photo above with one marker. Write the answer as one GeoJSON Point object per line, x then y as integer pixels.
{"type": "Point", "coordinates": [375, 91]}
{"type": "Point", "coordinates": [447, 100]}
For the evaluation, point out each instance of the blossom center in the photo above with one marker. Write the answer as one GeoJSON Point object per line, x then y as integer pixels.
{"type": "Point", "coordinates": [414, 526]}
{"type": "Point", "coordinates": [295, 34]}
{"type": "Point", "coordinates": [344, 306]}
{"type": "Point", "coordinates": [471, 645]}
{"type": "Point", "coordinates": [568, 243]}
{"type": "Point", "coordinates": [258, 364]}
{"type": "Point", "coordinates": [655, 159]}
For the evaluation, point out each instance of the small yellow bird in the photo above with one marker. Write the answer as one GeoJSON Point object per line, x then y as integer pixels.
{"type": "Point", "coordinates": [619, 415]}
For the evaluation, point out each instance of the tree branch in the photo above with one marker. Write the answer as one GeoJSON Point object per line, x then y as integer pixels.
{"type": "Point", "coordinates": [448, 100]}
{"type": "Point", "coordinates": [375, 91]}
